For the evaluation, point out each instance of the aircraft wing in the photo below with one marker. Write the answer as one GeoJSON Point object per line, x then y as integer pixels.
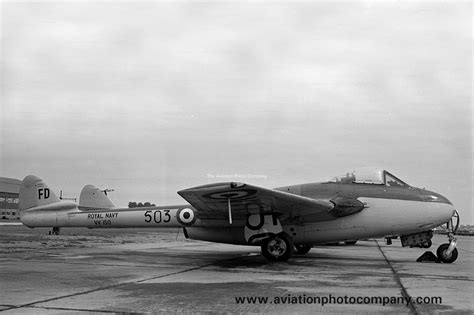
{"type": "Point", "coordinates": [212, 203]}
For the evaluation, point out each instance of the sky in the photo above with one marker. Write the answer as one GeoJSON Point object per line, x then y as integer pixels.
{"type": "Point", "coordinates": [152, 97]}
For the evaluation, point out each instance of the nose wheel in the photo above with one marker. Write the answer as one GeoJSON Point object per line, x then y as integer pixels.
{"type": "Point", "coordinates": [448, 252]}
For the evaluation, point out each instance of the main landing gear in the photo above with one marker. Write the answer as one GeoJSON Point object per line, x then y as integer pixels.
{"type": "Point", "coordinates": [278, 247]}
{"type": "Point", "coordinates": [302, 249]}
{"type": "Point", "coordinates": [448, 252]}
{"type": "Point", "coordinates": [54, 231]}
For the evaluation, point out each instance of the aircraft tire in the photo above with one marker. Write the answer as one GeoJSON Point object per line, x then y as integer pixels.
{"type": "Point", "coordinates": [302, 249]}
{"type": "Point", "coordinates": [350, 242]}
{"type": "Point", "coordinates": [442, 256]}
{"type": "Point", "coordinates": [277, 248]}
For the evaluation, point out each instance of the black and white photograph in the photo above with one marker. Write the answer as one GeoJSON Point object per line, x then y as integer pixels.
{"type": "Point", "coordinates": [204, 156]}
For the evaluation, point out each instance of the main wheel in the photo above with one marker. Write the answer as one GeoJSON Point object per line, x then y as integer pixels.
{"type": "Point", "coordinates": [441, 253]}
{"type": "Point", "coordinates": [350, 242]}
{"type": "Point", "coordinates": [277, 248]}
{"type": "Point", "coordinates": [302, 249]}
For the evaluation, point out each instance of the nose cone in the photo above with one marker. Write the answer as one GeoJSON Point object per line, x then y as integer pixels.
{"type": "Point", "coordinates": [431, 196]}
{"type": "Point", "coordinates": [443, 208]}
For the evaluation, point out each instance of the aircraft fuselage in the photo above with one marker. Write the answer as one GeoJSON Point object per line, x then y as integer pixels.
{"type": "Point", "coordinates": [351, 207]}
{"type": "Point", "coordinates": [387, 211]}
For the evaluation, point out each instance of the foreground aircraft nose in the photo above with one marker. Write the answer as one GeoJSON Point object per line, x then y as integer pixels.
{"type": "Point", "coordinates": [431, 196]}
{"type": "Point", "coordinates": [445, 209]}
{"type": "Point", "coordinates": [438, 207]}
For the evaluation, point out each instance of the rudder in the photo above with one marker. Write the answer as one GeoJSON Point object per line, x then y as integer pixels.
{"type": "Point", "coordinates": [35, 192]}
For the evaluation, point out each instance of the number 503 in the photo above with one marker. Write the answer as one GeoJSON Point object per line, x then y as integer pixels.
{"type": "Point", "coordinates": [158, 216]}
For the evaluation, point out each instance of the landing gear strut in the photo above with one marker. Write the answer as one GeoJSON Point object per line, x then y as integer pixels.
{"type": "Point", "coordinates": [447, 252]}
{"type": "Point", "coordinates": [54, 231]}
{"type": "Point", "coordinates": [278, 247]}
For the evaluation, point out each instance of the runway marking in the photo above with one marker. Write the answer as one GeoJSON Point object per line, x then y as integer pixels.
{"type": "Point", "coordinates": [399, 282]}
{"type": "Point", "coordinates": [68, 261]}
{"type": "Point", "coordinates": [32, 304]}
{"type": "Point", "coordinates": [75, 309]}
{"type": "Point", "coordinates": [63, 309]}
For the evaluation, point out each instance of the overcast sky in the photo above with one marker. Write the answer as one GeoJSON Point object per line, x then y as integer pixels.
{"type": "Point", "coordinates": [151, 97]}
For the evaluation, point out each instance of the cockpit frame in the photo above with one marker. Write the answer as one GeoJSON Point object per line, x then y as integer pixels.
{"type": "Point", "coordinates": [371, 176]}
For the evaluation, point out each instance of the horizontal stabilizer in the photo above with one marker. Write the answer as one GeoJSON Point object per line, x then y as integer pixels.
{"type": "Point", "coordinates": [93, 198]}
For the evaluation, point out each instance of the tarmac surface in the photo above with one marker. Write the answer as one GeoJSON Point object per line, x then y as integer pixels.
{"type": "Point", "coordinates": [149, 271]}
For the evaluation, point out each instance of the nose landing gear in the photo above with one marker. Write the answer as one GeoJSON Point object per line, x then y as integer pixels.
{"type": "Point", "coordinates": [447, 252]}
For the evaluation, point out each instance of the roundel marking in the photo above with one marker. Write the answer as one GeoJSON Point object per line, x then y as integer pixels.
{"type": "Point", "coordinates": [185, 216]}
{"type": "Point", "coordinates": [233, 194]}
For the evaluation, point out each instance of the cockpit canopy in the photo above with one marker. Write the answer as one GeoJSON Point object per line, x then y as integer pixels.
{"type": "Point", "coordinates": [370, 176]}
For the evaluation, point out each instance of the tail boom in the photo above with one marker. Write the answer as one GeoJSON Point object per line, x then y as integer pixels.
{"type": "Point", "coordinates": [68, 215]}
{"type": "Point", "coordinates": [40, 207]}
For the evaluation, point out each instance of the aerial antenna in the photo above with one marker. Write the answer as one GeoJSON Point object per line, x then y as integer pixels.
{"type": "Point", "coordinates": [65, 198]}
{"type": "Point", "coordinates": [105, 191]}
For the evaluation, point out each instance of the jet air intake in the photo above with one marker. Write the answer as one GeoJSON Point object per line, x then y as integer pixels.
{"type": "Point", "coordinates": [344, 206]}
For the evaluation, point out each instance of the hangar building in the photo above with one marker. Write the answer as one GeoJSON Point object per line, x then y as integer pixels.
{"type": "Point", "coordinates": [9, 198]}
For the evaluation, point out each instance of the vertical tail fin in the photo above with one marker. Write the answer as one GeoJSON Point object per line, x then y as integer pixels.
{"type": "Point", "coordinates": [93, 197]}
{"type": "Point", "coordinates": [35, 192]}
